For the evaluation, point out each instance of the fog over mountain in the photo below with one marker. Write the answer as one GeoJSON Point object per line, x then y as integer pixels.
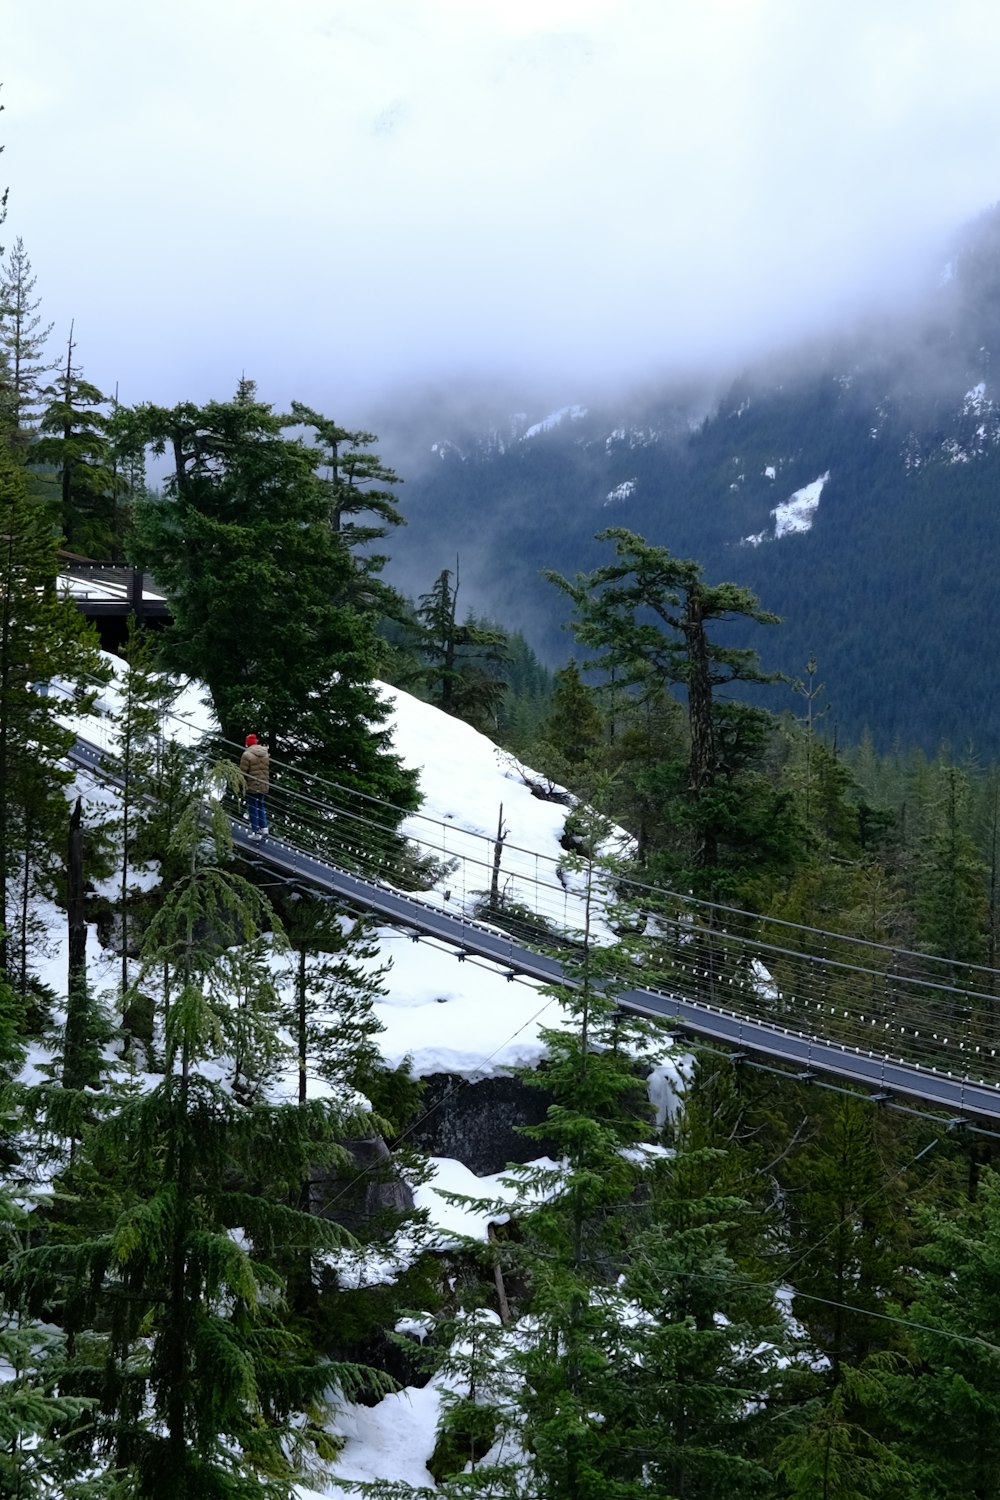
{"type": "Point", "coordinates": [345, 200]}
{"type": "Point", "coordinates": [849, 482]}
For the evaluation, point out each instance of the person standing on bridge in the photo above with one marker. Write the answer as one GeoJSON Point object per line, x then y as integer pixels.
{"type": "Point", "coordinates": [255, 763]}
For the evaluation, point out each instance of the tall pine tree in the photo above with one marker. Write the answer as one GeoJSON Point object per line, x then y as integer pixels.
{"type": "Point", "coordinates": [261, 593]}
{"type": "Point", "coordinates": [41, 637]}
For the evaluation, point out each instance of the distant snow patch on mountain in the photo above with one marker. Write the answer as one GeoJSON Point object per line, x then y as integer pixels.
{"type": "Point", "coordinates": [954, 452]}
{"type": "Point", "coordinates": [976, 402]}
{"type": "Point", "coordinates": [797, 512]}
{"type": "Point", "coordinates": [912, 453]}
{"type": "Point", "coordinates": [574, 413]}
{"type": "Point", "coordinates": [628, 437]}
{"type": "Point", "coordinates": [792, 515]}
{"type": "Point", "coordinates": [620, 492]}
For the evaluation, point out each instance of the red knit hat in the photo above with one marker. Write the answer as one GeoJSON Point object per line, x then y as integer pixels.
{"type": "Point", "coordinates": [251, 739]}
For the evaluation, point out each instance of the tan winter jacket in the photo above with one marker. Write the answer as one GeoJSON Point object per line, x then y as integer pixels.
{"type": "Point", "coordinates": [255, 763]}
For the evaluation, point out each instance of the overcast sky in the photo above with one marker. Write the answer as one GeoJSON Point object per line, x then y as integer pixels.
{"type": "Point", "coordinates": [337, 196]}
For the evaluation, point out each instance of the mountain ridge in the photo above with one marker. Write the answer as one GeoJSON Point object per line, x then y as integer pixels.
{"type": "Point", "coordinates": [864, 470]}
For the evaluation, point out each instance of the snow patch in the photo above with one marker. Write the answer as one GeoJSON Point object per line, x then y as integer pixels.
{"type": "Point", "coordinates": [793, 515]}
{"type": "Point", "coordinates": [975, 401]}
{"type": "Point", "coordinates": [574, 413]}
{"type": "Point", "coordinates": [798, 511]}
{"type": "Point", "coordinates": [620, 492]}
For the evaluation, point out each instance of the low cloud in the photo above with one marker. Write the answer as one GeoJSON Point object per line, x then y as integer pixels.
{"type": "Point", "coordinates": [339, 198]}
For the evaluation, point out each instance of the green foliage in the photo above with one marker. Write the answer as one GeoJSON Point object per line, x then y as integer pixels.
{"type": "Point", "coordinates": [647, 617]}
{"type": "Point", "coordinates": [73, 440]}
{"type": "Point", "coordinates": [174, 1278]}
{"type": "Point", "coordinates": [529, 690]}
{"type": "Point", "coordinates": [463, 663]}
{"type": "Point", "coordinates": [708, 1345]}
{"type": "Point", "coordinates": [22, 342]}
{"type": "Point", "coordinates": [849, 1190]}
{"type": "Point", "coordinates": [264, 592]}
{"type": "Point", "coordinates": [137, 749]}
{"type": "Point", "coordinates": [836, 1455]}
{"type": "Point", "coordinates": [573, 1232]}
{"type": "Point", "coordinates": [951, 876]}
{"type": "Point", "coordinates": [355, 483]}
{"type": "Point", "coordinates": [335, 984]}
{"type": "Point", "coordinates": [948, 1405]}
{"type": "Point", "coordinates": [37, 1420]}
{"type": "Point", "coordinates": [41, 637]}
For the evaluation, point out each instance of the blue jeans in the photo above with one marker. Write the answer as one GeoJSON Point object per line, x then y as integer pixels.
{"type": "Point", "coordinates": [257, 812]}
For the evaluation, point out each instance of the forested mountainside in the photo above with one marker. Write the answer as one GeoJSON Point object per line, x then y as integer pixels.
{"type": "Point", "coordinates": [768, 1288]}
{"type": "Point", "coordinates": [883, 570]}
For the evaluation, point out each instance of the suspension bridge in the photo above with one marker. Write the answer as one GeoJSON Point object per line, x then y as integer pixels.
{"type": "Point", "coordinates": [837, 1010]}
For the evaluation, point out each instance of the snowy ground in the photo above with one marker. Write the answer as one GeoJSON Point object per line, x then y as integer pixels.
{"type": "Point", "coordinates": [463, 1018]}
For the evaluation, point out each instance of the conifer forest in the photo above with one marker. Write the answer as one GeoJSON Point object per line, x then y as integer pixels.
{"type": "Point", "coordinates": [780, 1290]}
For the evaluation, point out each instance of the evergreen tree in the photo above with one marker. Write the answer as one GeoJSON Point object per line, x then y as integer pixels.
{"type": "Point", "coordinates": [135, 746]}
{"type": "Point", "coordinates": [704, 1358]}
{"type": "Point", "coordinates": [41, 637]}
{"type": "Point", "coordinates": [574, 730]}
{"type": "Point", "coordinates": [205, 1387]}
{"type": "Point", "coordinates": [462, 674]}
{"type": "Point", "coordinates": [478, 1424]}
{"type": "Point", "coordinates": [651, 610]}
{"type": "Point", "coordinates": [356, 483]}
{"type": "Point", "coordinates": [74, 442]}
{"type": "Point", "coordinates": [260, 588]}
{"type": "Point", "coordinates": [838, 1453]}
{"type": "Point", "coordinates": [648, 616]}
{"type": "Point", "coordinates": [128, 461]}
{"type": "Point", "coordinates": [644, 759]}
{"type": "Point", "coordinates": [35, 1411]}
{"type": "Point", "coordinates": [334, 990]}
{"type": "Point", "coordinates": [948, 1407]}
{"type": "Point", "coordinates": [529, 690]}
{"type": "Point", "coordinates": [951, 888]}
{"type": "Point", "coordinates": [574, 1227]}
{"type": "Point", "coordinates": [847, 1194]}
{"type": "Point", "coordinates": [86, 1029]}
{"type": "Point", "coordinates": [22, 345]}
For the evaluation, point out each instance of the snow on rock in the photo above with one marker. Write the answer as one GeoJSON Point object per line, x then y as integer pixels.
{"type": "Point", "coordinates": [391, 1441]}
{"type": "Point", "coordinates": [632, 437]}
{"type": "Point", "coordinates": [954, 452]}
{"type": "Point", "coordinates": [454, 1221]}
{"type": "Point", "coordinates": [975, 401]}
{"type": "Point", "coordinates": [620, 492]}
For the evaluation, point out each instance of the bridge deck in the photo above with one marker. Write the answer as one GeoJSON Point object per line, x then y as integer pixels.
{"type": "Point", "coordinates": [879, 1072]}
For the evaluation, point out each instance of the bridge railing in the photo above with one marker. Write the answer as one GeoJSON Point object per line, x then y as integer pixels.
{"type": "Point", "coordinates": [905, 1006]}
{"type": "Point", "coordinates": [912, 1007]}
{"type": "Point", "coordinates": [86, 580]}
